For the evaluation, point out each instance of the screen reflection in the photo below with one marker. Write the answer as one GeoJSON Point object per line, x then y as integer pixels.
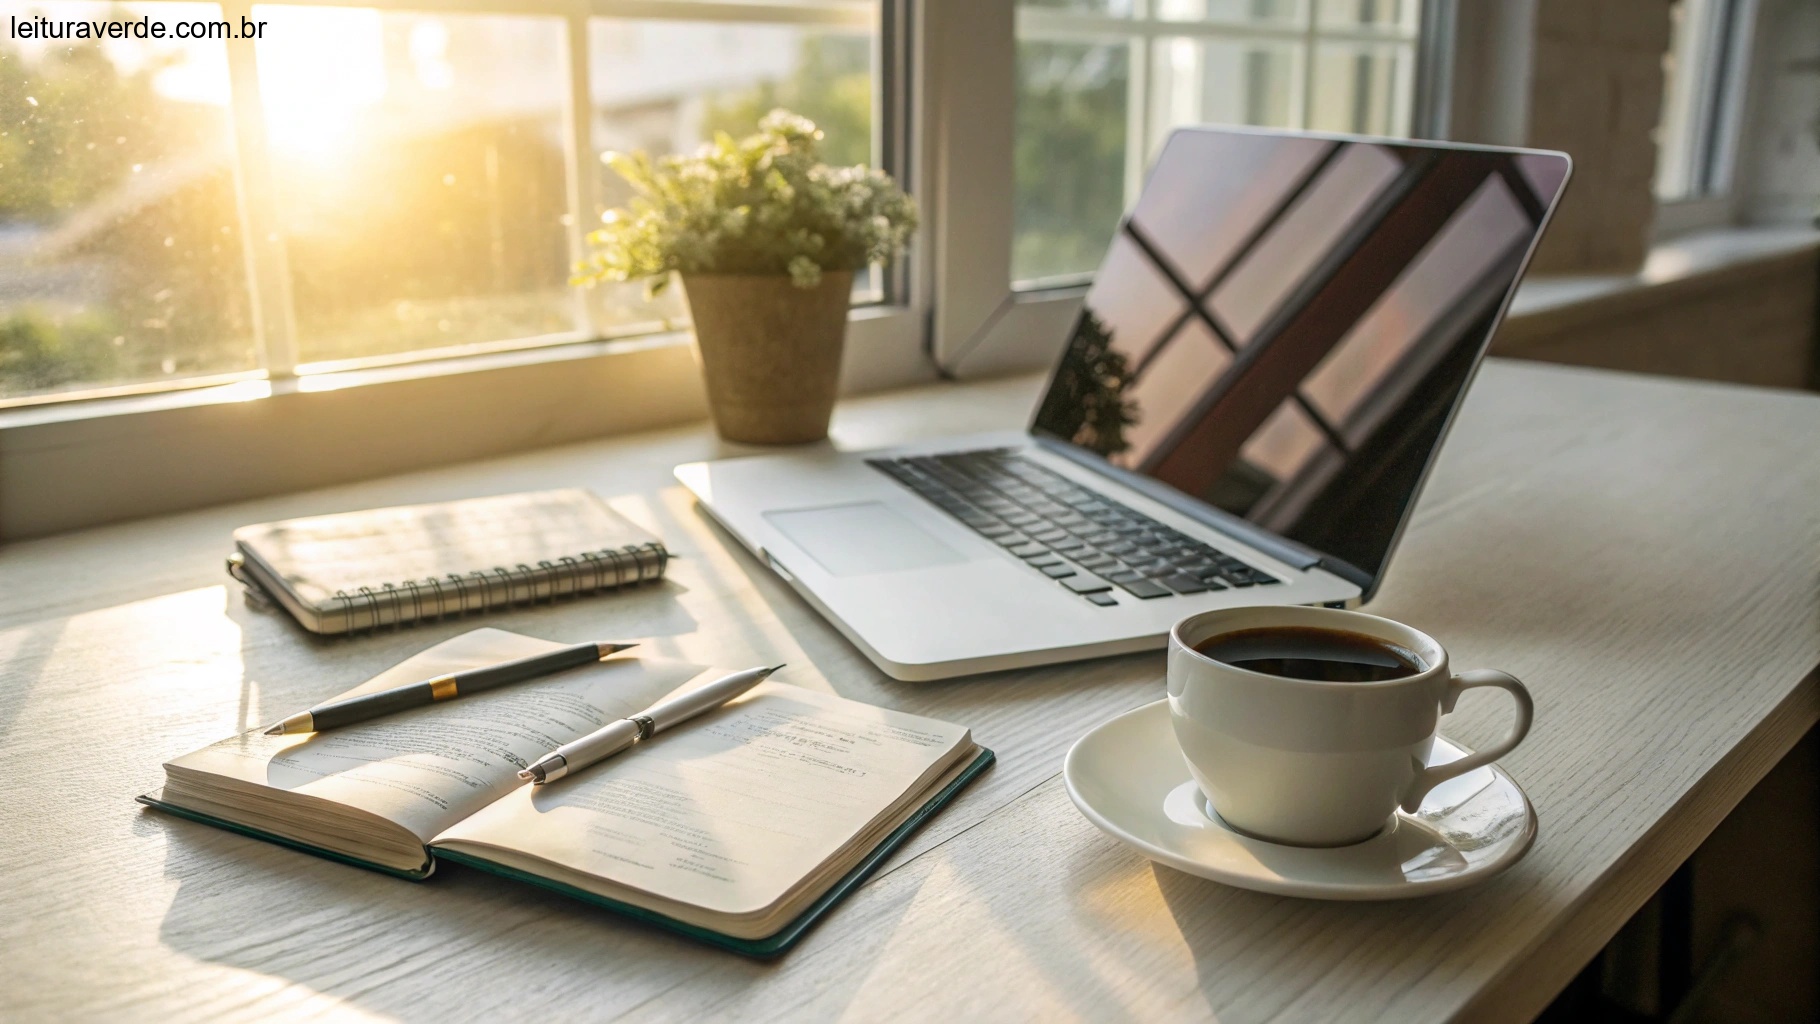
{"type": "Point", "coordinates": [1283, 324]}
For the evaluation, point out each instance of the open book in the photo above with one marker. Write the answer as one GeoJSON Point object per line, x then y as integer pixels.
{"type": "Point", "coordinates": [738, 827]}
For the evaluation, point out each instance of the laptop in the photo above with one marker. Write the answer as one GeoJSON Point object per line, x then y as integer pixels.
{"type": "Point", "coordinates": [1258, 382]}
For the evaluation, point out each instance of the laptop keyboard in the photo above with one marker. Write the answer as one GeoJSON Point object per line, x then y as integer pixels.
{"type": "Point", "coordinates": [1083, 540]}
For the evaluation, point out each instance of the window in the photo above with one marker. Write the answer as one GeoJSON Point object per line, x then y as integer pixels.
{"type": "Point", "coordinates": [1101, 82]}
{"type": "Point", "coordinates": [362, 185]}
{"type": "Point", "coordinates": [1703, 79]}
{"type": "Point", "coordinates": [827, 72]}
{"type": "Point", "coordinates": [389, 194]}
{"type": "Point", "coordinates": [122, 257]}
{"type": "Point", "coordinates": [422, 193]}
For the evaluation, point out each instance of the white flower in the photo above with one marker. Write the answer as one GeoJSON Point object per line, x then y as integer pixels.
{"type": "Point", "coordinates": [759, 205]}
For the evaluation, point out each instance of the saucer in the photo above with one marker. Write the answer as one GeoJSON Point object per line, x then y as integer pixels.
{"type": "Point", "coordinates": [1128, 777]}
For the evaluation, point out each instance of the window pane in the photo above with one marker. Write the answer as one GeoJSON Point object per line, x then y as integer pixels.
{"type": "Point", "coordinates": [1199, 222]}
{"type": "Point", "coordinates": [421, 170]}
{"type": "Point", "coordinates": [121, 259]}
{"type": "Point", "coordinates": [1683, 85]}
{"type": "Point", "coordinates": [1270, 272]}
{"type": "Point", "coordinates": [1134, 301]}
{"type": "Point", "coordinates": [1116, 8]}
{"type": "Point", "coordinates": [1400, 14]}
{"type": "Point", "coordinates": [1220, 81]}
{"type": "Point", "coordinates": [1458, 278]}
{"type": "Point", "coordinates": [1087, 128]}
{"type": "Point", "coordinates": [1071, 121]}
{"type": "Point", "coordinates": [668, 86]}
{"type": "Point", "coordinates": [1166, 383]}
{"type": "Point", "coordinates": [1243, 11]}
{"type": "Point", "coordinates": [1362, 89]}
{"type": "Point", "coordinates": [1284, 442]}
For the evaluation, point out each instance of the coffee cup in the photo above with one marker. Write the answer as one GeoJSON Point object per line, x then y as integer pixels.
{"type": "Point", "coordinates": [1311, 726]}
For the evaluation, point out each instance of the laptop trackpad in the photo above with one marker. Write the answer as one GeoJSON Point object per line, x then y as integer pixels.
{"type": "Point", "coordinates": [857, 540]}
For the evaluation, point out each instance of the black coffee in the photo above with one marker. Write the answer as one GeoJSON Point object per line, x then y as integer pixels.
{"type": "Point", "coordinates": [1304, 652]}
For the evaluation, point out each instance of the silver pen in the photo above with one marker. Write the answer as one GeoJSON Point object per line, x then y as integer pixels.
{"type": "Point", "coordinates": [614, 737]}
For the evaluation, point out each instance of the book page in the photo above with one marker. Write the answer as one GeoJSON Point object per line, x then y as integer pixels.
{"type": "Point", "coordinates": [428, 768]}
{"type": "Point", "coordinates": [728, 811]}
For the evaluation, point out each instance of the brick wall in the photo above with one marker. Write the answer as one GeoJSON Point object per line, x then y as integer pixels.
{"type": "Point", "coordinates": [1596, 92]}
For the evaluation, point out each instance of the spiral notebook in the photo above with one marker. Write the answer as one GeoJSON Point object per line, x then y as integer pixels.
{"type": "Point", "coordinates": [358, 571]}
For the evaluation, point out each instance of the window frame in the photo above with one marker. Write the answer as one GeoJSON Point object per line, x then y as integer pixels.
{"type": "Point", "coordinates": [945, 117]}
{"type": "Point", "coordinates": [983, 324]}
{"type": "Point", "coordinates": [1715, 135]}
{"type": "Point", "coordinates": [886, 335]}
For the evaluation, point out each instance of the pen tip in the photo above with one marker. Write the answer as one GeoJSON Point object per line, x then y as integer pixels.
{"type": "Point", "coordinates": [276, 730]}
{"type": "Point", "coordinates": [527, 774]}
{"type": "Point", "coordinates": [607, 648]}
{"type": "Point", "coordinates": [772, 669]}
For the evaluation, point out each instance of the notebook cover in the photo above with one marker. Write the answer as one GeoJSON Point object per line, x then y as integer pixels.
{"type": "Point", "coordinates": [155, 800]}
{"type": "Point", "coordinates": [785, 937]}
{"type": "Point", "coordinates": [354, 572]}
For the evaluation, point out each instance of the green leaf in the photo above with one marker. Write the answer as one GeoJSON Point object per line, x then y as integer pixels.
{"type": "Point", "coordinates": [764, 204]}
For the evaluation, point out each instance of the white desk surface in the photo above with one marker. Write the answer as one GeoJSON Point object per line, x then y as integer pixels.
{"type": "Point", "coordinates": [1642, 552]}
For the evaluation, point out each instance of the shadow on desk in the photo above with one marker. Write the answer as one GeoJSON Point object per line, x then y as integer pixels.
{"type": "Point", "coordinates": [26, 663]}
{"type": "Point", "coordinates": [285, 666]}
{"type": "Point", "coordinates": [462, 945]}
{"type": "Point", "coordinates": [1384, 939]}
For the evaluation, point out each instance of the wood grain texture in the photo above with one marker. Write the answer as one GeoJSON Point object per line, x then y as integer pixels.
{"type": "Point", "coordinates": [1643, 553]}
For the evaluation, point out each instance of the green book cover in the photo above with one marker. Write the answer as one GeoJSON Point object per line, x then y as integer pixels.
{"type": "Point", "coordinates": [156, 800]}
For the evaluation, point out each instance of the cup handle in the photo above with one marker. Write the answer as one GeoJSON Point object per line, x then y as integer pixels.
{"type": "Point", "coordinates": [1429, 778]}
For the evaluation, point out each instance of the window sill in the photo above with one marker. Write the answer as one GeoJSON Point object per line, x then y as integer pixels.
{"type": "Point", "coordinates": [857, 379]}
{"type": "Point", "coordinates": [84, 463]}
{"type": "Point", "coordinates": [182, 396]}
{"type": "Point", "coordinates": [1736, 305]}
{"type": "Point", "coordinates": [1696, 260]}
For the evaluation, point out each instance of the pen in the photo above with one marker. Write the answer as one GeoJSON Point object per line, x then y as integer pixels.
{"type": "Point", "coordinates": [336, 714]}
{"type": "Point", "coordinates": [610, 739]}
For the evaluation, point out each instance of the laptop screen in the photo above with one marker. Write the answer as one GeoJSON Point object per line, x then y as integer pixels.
{"type": "Point", "coordinates": [1284, 324]}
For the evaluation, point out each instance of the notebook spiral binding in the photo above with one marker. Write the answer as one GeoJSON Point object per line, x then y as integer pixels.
{"type": "Point", "coordinates": [432, 598]}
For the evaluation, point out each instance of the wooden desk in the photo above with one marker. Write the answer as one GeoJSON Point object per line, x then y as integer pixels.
{"type": "Point", "coordinates": [1642, 552]}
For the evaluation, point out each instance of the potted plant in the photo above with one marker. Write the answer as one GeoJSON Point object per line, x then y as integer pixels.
{"type": "Point", "coordinates": [765, 238]}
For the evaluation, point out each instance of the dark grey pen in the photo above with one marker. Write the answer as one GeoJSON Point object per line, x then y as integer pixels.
{"type": "Point", "coordinates": [445, 687]}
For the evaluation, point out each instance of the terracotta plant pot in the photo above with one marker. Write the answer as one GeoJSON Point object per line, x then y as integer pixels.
{"type": "Point", "coordinates": [770, 352]}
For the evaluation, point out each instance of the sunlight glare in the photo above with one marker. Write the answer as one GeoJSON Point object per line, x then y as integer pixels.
{"type": "Point", "coordinates": [319, 71]}
{"type": "Point", "coordinates": [430, 55]}
{"type": "Point", "coordinates": [242, 391]}
{"type": "Point", "coordinates": [200, 75]}
{"type": "Point", "coordinates": [186, 70]}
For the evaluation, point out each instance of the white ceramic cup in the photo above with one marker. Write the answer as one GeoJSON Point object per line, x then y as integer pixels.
{"type": "Point", "coordinates": [1314, 763]}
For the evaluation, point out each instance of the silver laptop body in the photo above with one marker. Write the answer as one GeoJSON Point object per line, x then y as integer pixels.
{"type": "Point", "coordinates": [1265, 366]}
